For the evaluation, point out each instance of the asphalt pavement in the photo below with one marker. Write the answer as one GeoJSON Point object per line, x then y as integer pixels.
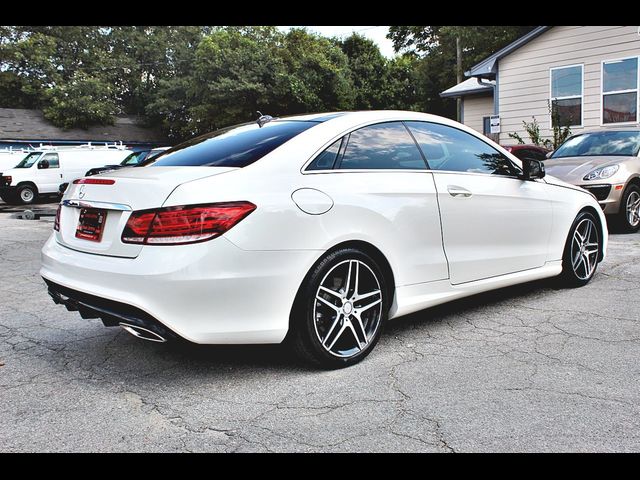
{"type": "Point", "coordinates": [528, 368]}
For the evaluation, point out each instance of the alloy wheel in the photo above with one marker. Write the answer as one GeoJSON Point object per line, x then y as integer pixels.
{"type": "Point", "coordinates": [348, 308]}
{"type": "Point", "coordinates": [633, 209]}
{"type": "Point", "coordinates": [585, 249]}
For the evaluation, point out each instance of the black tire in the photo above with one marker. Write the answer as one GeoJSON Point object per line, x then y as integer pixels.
{"type": "Point", "coordinates": [632, 192]}
{"type": "Point", "coordinates": [578, 265]}
{"type": "Point", "coordinates": [312, 319]}
{"type": "Point", "coordinates": [26, 194]}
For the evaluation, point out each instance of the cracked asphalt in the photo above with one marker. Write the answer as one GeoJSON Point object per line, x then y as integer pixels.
{"type": "Point", "coordinates": [528, 368]}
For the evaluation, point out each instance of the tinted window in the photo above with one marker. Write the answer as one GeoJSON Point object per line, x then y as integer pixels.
{"type": "Point", "coordinates": [523, 153]}
{"type": "Point", "coordinates": [236, 146]}
{"type": "Point", "coordinates": [450, 149]}
{"type": "Point", "coordinates": [52, 158]}
{"type": "Point", "coordinates": [326, 159]}
{"type": "Point", "coordinates": [385, 145]}
{"type": "Point", "coordinates": [600, 143]}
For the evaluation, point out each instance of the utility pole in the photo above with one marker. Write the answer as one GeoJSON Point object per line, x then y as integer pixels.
{"type": "Point", "coordinates": [458, 77]}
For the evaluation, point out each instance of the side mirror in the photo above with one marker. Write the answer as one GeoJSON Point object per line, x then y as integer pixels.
{"type": "Point", "coordinates": [532, 169]}
{"type": "Point", "coordinates": [43, 164]}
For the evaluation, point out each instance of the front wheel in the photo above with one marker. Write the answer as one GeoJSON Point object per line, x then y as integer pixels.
{"type": "Point", "coordinates": [629, 216]}
{"type": "Point", "coordinates": [340, 310]}
{"type": "Point", "coordinates": [26, 194]}
{"type": "Point", "coordinates": [582, 251]}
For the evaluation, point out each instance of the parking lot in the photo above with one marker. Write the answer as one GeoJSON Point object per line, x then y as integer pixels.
{"type": "Point", "coordinates": [528, 368]}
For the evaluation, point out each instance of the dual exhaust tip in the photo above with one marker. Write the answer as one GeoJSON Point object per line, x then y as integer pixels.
{"type": "Point", "coordinates": [142, 333]}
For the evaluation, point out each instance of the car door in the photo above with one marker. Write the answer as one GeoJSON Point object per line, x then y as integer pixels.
{"type": "Point", "coordinates": [381, 181]}
{"type": "Point", "coordinates": [48, 179]}
{"type": "Point", "coordinates": [493, 222]}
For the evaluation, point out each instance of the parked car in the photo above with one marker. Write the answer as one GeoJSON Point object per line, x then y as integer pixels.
{"type": "Point", "coordinates": [528, 151]}
{"type": "Point", "coordinates": [42, 171]}
{"type": "Point", "coordinates": [135, 158]}
{"type": "Point", "coordinates": [606, 163]}
{"type": "Point", "coordinates": [132, 160]}
{"type": "Point", "coordinates": [314, 230]}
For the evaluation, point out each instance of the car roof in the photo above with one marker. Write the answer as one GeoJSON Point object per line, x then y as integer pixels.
{"type": "Point", "coordinates": [613, 129]}
{"type": "Point", "coordinates": [357, 116]}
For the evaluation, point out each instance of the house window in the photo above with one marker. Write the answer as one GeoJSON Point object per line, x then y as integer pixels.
{"type": "Point", "coordinates": [566, 95]}
{"type": "Point", "coordinates": [620, 91]}
{"type": "Point", "coordinates": [486, 125]}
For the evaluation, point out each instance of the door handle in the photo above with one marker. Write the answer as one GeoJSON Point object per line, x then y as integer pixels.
{"type": "Point", "coordinates": [456, 191]}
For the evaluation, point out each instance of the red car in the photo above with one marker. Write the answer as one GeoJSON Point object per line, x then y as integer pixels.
{"type": "Point", "coordinates": [527, 151]}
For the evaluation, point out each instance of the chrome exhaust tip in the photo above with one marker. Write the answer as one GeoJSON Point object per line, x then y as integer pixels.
{"type": "Point", "coordinates": [142, 333]}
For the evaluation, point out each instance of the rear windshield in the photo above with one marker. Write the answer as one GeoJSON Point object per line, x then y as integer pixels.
{"type": "Point", "coordinates": [236, 146]}
{"type": "Point", "coordinates": [599, 144]}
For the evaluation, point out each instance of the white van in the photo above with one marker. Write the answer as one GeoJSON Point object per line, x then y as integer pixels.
{"type": "Point", "coordinates": [43, 170]}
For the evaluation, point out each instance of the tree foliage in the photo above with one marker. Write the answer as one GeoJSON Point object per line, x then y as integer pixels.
{"type": "Point", "coordinates": [435, 46]}
{"type": "Point", "coordinates": [189, 80]}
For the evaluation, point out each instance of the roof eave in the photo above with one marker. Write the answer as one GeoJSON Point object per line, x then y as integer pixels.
{"type": "Point", "coordinates": [488, 67]}
{"type": "Point", "coordinates": [466, 93]}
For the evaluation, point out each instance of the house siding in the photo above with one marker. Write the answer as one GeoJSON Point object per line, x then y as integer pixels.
{"type": "Point", "coordinates": [524, 74]}
{"type": "Point", "coordinates": [476, 107]}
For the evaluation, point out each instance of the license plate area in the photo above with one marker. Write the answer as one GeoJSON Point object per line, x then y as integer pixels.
{"type": "Point", "coordinates": [91, 224]}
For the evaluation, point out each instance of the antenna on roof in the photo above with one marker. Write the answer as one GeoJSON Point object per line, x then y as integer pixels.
{"type": "Point", "coordinates": [262, 119]}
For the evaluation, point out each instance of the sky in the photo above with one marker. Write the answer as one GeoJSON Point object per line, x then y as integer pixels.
{"type": "Point", "coordinates": [377, 34]}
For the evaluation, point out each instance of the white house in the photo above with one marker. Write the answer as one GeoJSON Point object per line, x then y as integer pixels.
{"type": "Point", "coordinates": [590, 73]}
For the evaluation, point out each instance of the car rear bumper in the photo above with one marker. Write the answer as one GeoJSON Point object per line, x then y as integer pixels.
{"type": "Point", "coordinates": [212, 292]}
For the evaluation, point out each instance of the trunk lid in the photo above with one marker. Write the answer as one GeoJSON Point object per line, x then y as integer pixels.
{"type": "Point", "coordinates": [133, 189]}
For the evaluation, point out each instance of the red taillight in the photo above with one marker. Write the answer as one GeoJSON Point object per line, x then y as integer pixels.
{"type": "Point", "coordinates": [7, 179]}
{"type": "Point", "coordinates": [94, 181]}
{"type": "Point", "coordinates": [185, 224]}
{"type": "Point", "coordinates": [56, 222]}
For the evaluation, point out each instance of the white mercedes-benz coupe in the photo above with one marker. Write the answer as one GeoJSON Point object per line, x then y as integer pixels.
{"type": "Point", "coordinates": [314, 230]}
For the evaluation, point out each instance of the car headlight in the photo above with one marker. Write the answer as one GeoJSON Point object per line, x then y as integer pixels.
{"type": "Point", "coordinates": [604, 172]}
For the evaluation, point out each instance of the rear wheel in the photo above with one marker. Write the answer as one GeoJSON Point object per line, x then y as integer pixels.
{"type": "Point", "coordinates": [582, 251]}
{"type": "Point", "coordinates": [26, 194]}
{"type": "Point", "coordinates": [340, 310]}
{"type": "Point", "coordinates": [629, 216]}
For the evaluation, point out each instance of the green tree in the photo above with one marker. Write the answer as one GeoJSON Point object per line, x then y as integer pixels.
{"type": "Point", "coordinates": [81, 102]}
{"type": "Point", "coordinates": [318, 76]}
{"type": "Point", "coordinates": [436, 48]}
{"type": "Point", "coordinates": [367, 70]}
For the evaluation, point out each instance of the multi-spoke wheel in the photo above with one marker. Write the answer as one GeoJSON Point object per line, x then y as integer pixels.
{"type": "Point", "coordinates": [629, 217]}
{"type": "Point", "coordinates": [582, 251]}
{"type": "Point", "coordinates": [340, 310]}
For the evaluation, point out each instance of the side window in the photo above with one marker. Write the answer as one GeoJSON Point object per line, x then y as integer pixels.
{"type": "Point", "coordinates": [462, 152]}
{"type": "Point", "coordinates": [529, 153]}
{"type": "Point", "coordinates": [537, 155]}
{"type": "Point", "coordinates": [384, 145]}
{"type": "Point", "coordinates": [52, 158]}
{"type": "Point", "coordinates": [326, 159]}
